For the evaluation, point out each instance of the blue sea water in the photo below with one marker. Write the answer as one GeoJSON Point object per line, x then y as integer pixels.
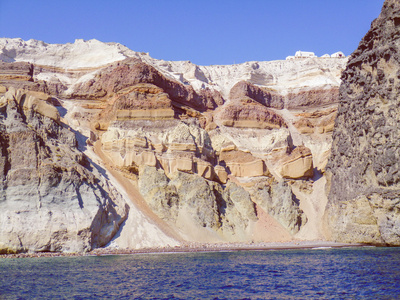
{"type": "Point", "coordinates": [361, 273]}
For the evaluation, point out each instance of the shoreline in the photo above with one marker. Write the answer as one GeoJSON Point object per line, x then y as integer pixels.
{"type": "Point", "coordinates": [196, 248]}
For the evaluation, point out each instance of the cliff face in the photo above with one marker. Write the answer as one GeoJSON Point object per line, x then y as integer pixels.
{"type": "Point", "coordinates": [364, 165]}
{"type": "Point", "coordinates": [51, 197]}
{"type": "Point", "coordinates": [198, 153]}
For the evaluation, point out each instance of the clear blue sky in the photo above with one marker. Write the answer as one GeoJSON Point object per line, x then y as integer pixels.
{"type": "Point", "coordinates": [204, 32]}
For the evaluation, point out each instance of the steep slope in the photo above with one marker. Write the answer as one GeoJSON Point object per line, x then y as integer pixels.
{"type": "Point", "coordinates": [364, 165]}
{"type": "Point", "coordinates": [218, 153]}
{"type": "Point", "coordinates": [51, 197]}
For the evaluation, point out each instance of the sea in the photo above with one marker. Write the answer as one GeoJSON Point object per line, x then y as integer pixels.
{"type": "Point", "coordinates": [345, 273]}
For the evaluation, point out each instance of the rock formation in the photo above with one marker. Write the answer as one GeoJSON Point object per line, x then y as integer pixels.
{"type": "Point", "coordinates": [363, 168]}
{"type": "Point", "coordinates": [51, 197]}
{"type": "Point", "coordinates": [216, 152]}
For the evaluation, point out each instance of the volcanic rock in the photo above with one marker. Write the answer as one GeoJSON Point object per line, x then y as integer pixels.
{"type": "Point", "coordinates": [364, 165]}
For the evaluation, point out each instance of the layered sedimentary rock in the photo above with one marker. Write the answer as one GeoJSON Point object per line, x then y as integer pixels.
{"type": "Point", "coordinates": [247, 114]}
{"type": "Point", "coordinates": [364, 165]}
{"type": "Point", "coordinates": [213, 150]}
{"type": "Point", "coordinates": [51, 198]}
{"type": "Point", "coordinates": [297, 164]}
{"type": "Point", "coordinates": [266, 97]}
{"type": "Point", "coordinates": [127, 73]}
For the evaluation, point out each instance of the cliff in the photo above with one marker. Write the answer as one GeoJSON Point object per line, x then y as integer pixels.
{"type": "Point", "coordinates": [51, 197]}
{"type": "Point", "coordinates": [363, 168]}
{"type": "Point", "coordinates": [167, 152]}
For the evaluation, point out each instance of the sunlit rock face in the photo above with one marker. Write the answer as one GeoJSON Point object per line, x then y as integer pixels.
{"type": "Point", "coordinates": [213, 150]}
{"type": "Point", "coordinates": [51, 197]}
{"type": "Point", "coordinates": [364, 165]}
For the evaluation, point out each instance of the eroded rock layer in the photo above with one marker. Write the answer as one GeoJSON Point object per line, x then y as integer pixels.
{"type": "Point", "coordinates": [197, 153]}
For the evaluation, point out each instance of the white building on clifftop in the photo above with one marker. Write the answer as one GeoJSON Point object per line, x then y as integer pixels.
{"type": "Point", "coordinates": [304, 54]}
{"type": "Point", "coordinates": [301, 54]}
{"type": "Point", "coordinates": [338, 54]}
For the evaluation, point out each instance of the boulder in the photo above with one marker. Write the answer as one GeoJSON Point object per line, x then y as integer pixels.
{"type": "Point", "coordinates": [28, 102]}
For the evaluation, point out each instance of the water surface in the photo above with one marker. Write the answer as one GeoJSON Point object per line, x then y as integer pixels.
{"type": "Point", "coordinates": [367, 273]}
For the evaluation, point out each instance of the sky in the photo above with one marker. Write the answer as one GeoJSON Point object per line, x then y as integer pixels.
{"type": "Point", "coordinates": [206, 32]}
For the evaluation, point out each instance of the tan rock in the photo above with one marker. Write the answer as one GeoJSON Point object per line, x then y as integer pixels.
{"type": "Point", "coordinates": [205, 169]}
{"type": "Point", "coordinates": [304, 126]}
{"type": "Point", "coordinates": [243, 164]}
{"type": "Point", "coordinates": [324, 160]}
{"type": "Point", "coordinates": [173, 164]}
{"type": "Point", "coordinates": [38, 95]}
{"type": "Point", "coordinates": [3, 89]}
{"type": "Point", "coordinates": [221, 173]}
{"type": "Point", "coordinates": [298, 164]}
{"type": "Point", "coordinates": [182, 147]}
{"type": "Point", "coordinates": [30, 102]}
{"type": "Point", "coordinates": [141, 114]}
{"type": "Point", "coordinates": [327, 124]}
{"type": "Point", "coordinates": [249, 169]}
{"type": "Point", "coordinates": [228, 148]}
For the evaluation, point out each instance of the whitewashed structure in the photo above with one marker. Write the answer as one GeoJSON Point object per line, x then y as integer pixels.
{"type": "Point", "coordinates": [338, 54]}
{"type": "Point", "coordinates": [303, 54]}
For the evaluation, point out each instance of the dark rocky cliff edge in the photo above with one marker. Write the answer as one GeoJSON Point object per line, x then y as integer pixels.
{"type": "Point", "coordinates": [363, 169]}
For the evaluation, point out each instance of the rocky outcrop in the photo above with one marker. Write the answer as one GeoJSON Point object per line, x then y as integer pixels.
{"type": "Point", "coordinates": [20, 75]}
{"type": "Point", "coordinates": [110, 80]}
{"type": "Point", "coordinates": [247, 114]}
{"type": "Point", "coordinates": [312, 97]}
{"type": "Point", "coordinates": [277, 199]}
{"type": "Point", "coordinates": [364, 165]}
{"type": "Point", "coordinates": [304, 126]}
{"type": "Point", "coordinates": [266, 97]}
{"type": "Point", "coordinates": [171, 144]}
{"type": "Point", "coordinates": [51, 197]}
{"type": "Point", "coordinates": [243, 164]}
{"type": "Point", "coordinates": [166, 127]}
{"type": "Point", "coordinates": [200, 209]}
{"type": "Point", "coordinates": [298, 164]}
{"type": "Point", "coordinates": [16, 71]}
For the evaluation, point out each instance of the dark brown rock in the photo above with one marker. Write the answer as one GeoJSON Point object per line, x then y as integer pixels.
{"type": "Point", "coordinates": [312, 98]}
{"type": "Point", "coordinates": [266, 97]}
{"type": "Point", "coordinates": [250, 114]}
{"type": "Point", "coordinates": [130, 72]}
{"type": "Point", "coordinates": [364, 168]}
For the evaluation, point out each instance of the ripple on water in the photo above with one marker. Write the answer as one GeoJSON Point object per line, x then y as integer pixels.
{"type": "Point", "coordinates": [302, 274]}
